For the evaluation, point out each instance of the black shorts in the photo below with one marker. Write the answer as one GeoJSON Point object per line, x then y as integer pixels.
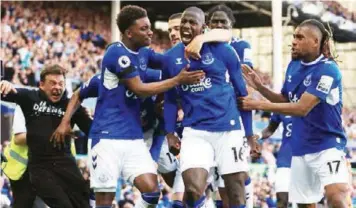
{"type": "Point", "coordinates": [60, 184]}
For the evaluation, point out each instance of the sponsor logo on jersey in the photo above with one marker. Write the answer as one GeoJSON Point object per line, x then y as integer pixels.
{"type": "Point", "coordinates": [204, 83]}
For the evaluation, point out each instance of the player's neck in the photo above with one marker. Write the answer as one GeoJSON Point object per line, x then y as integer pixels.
{"type": "Point", "coordinates": [130, 45]}
{"type": "Point", "coordinates": [311, 58]}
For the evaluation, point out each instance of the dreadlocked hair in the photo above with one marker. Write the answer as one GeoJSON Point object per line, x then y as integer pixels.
{"type": "Point", "coordinates": [327, 47]}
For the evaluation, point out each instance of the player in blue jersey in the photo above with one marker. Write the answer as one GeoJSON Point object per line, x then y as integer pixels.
{"type": "Point", "coordinates": [221, 17]}
{"type": "Point", "coordinates": [312, 94]}
{"type": "Point", "coordinates": [167, 162]}
{"type": "Point", "coordinates": [117, 144]}
{"type": "Point", "coordinates": [284, 156]}
{"type": "Point", "coordinates": [211, 125]}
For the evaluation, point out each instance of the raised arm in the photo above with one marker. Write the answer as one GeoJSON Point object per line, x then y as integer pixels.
{"type": "Point", "coordinates": [254, 81]}
{"type": "Point", "coordinates": [88, 89]}
{"type": "Point", "coordinates": [214, 35]}
{"type": "Point", "coordinates": [148, 89]}
{"type": "Point", "coordinates": [9, 92]}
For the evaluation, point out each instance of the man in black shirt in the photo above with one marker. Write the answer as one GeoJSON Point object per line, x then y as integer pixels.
{"type": "Point", "coordinates": [52, 168]}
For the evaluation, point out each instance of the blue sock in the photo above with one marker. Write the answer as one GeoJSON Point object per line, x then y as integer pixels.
{"type": "Point", "coordinates": [218, 203]}
{"type": "Point", "coordinates": [177, 204]}
{"type": "Point", "coordinates": [196, 204]}
{"type": "Point", "coordinates": [247, 181]}
{"type": "Point", "coordinates": [151, 198]}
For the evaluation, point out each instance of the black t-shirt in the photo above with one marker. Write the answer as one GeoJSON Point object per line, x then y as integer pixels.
{"type": "Point", "coordinates": [42, 118]}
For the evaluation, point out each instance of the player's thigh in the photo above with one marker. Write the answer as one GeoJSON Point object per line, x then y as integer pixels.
{"type": "Point", "coordinates": [138, 163]}
{"type": "Point", "coordinates": [231, 152]}
{"type": "Point", "coordinates": [196, 151]}
{"type": "Point", "coordinates": [167, 162]}
{"type": "Point", "coordinates": [331, 167]}
{"type": "Point", "coordinates": [305, 186]}
{"type": "Point", "coordinates": [105, 164]}
{"type": "Point", "coordinates": [282, 183]}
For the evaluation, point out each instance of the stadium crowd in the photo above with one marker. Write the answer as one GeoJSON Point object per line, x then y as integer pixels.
{"type": "Point", "coordinates": [330, 11]}
{"type": "Point", "coordinates": [33, 38]}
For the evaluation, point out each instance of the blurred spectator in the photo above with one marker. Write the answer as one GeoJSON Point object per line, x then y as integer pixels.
{"type": "Point", "coordinates": [36, 34]}
{"type": "Point", "coordinates": [160, 41]}
{"type": "Point", "coordinates": [330, 11]}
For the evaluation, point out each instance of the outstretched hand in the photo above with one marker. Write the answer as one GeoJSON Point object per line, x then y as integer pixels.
{"type": "Point", "coordinates": [58, 137]}
{"type": "Point", "coordinates": [6, 87]}
{"type": "Point", "coordinates": [192, 50]}
{"type": "Point", "coordinates": [251, 77]}
{"type": "Point", "coordinates": [190, 77]}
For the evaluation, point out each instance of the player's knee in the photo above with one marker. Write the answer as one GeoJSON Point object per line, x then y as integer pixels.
{"type": "Point", "coordinates": [337, 201]}
{"type": "Point", "coordinates": [282, 199]}
{"type": "Point", "coordinates": [336, 195]}
{"type": "Point", "coordinates": [282, 204]}
{"type": "Point", "coordinates": [193, 192]}
{"type": "Point", "coordinates": [151, 198]}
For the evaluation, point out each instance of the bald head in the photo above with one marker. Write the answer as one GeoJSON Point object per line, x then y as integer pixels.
{"type": "Point", "coordinates": [192, 24]}
{"type": "Point", "coordinates": [200, 14]}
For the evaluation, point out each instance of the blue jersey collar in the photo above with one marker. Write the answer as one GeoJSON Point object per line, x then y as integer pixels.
{"type": "Point", "coordinates": [313, 62]}
{"type": "Point", "coordinates": [129, 50]}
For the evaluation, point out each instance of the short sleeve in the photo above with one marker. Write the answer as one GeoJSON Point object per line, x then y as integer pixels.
{"type": "Point", "coordinates": [245, 53]}
{"type": "Point", "coordinates": [124, 67]}
{"type": "Point", "coordinates": [324, 80]}
{"type": "Point", "coordinates": [90, 88]}
{"type": "Point", "coordinates": [19, 122]}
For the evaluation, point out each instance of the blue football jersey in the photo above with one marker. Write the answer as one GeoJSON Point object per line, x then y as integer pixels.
{"type": "Point", "coordinates": [322, 128]}
{"type": "Point", "coordinates": [117, 113]}
{"type": "Point", "coordinates": [284, 157]}
{"type": "Point", "coordinates": [211, 104]}
{"type": "Point", "coordinates": [243, 49]}
{"type": "Point", "coordinates": [90, 88]}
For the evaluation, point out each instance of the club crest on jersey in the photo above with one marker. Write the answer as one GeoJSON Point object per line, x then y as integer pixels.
{"type": "Point", "coordinates": [143, 64]}
{"type": "Point", "coordinates": [124, 61]}
{"type": "Point", "coordinates": [207, 59]}
{"type": "Point", "coordinates": [307, 80]}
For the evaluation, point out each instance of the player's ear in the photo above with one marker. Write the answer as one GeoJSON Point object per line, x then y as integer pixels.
{"type": "Point", "coordinates": [128, 33]}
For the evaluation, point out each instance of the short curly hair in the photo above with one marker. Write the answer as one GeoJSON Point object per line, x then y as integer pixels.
{"type": "Point", "coordinates": [222, 8]}
{"type": "Point", "coordinates": [128, 15]}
